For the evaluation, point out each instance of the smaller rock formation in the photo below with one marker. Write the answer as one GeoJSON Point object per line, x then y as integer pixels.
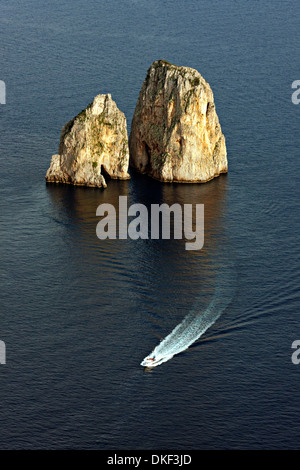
{"type": "Point", "coordinates": [94, 144]}
{"type": "Point", "coordinates": [175, 132]}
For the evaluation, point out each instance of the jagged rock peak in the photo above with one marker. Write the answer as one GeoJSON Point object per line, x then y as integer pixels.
{"type": "Point", "coordinates": [175, 132]}
{"type": "Point", "coordinates": [93, 145]}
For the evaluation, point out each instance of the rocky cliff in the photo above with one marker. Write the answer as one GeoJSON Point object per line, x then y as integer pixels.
{"type": "Point", "coordinates": [175, 132]}
{"type": "Point", "coordinates": [93, 145]}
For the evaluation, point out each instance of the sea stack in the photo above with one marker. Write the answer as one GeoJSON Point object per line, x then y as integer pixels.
{"type": "Point", "coordinates": [175, 133]}
{"type": "Point", "coordinates": [93, 146]}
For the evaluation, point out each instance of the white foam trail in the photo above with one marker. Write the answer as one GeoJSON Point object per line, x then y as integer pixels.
{"type": "Point", "coordinates": [196, 322]}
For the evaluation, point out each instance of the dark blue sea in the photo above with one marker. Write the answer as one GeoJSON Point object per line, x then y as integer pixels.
{"type": "Point", "coordinates": [78, 314]}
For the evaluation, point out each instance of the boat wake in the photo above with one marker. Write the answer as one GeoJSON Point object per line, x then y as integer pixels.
{"type": "Point", "coordinates": [196, 322]}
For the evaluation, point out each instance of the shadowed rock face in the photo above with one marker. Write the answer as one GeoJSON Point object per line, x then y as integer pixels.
{"type": "Point", "coordinates": [93, 145]}
{"type": "Point", "coordinates": [175, 132]}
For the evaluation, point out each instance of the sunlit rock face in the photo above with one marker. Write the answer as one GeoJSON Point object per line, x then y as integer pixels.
{"type": "Point", "coordinates": [175, 132]}
{"type": "Point", "coordinates": [93, 146]}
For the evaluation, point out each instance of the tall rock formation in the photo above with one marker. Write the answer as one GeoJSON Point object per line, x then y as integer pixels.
{"type": "Point", "coordinates": [94, 144]}
{"type": "Point", "coordinates": [175, 132]}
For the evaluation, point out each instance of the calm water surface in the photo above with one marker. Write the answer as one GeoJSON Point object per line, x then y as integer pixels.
{"type": "Point", "coordinates": [78, 314]}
